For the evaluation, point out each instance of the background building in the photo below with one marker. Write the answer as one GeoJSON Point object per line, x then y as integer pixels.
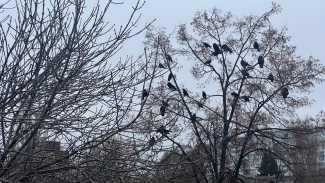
{"type": "Point", "coordinates": [300, 156]}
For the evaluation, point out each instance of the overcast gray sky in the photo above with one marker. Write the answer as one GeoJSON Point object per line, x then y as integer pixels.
{"type": "Point", "coordinates": [304, 19]}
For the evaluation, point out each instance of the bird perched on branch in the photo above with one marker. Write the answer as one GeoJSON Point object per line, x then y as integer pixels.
{"type": "Point", "coordinates": [204, 95]}
{"type": "Point", "coordinates": [217, 50]}
{"type": "Point", "coordinates": [152, 141]}
{"type": "Point", "coordinates": [171, 86]}
{"type": "Point", "coordinates": [145, 93]}
{"type": "Point", "coordinates": [285, 92]}
{"type": "Point", "coordinates": [162, 130]}
{"type": "Point", "coordinates": [260, 61]}
{"type": "Point", "coordinates": [208, 62]}
{"type": "Point", "coordinates": [226, 48]}
{"type": "Point", "coordinates": [200, 104]}
{"type": "Point", "coordinates": [245, 73]}
{"type": "Point", "coordinates": [246, 98]}
{"type": "Point", "coordinates": [206, 45]}
{"type": "Point", "coordinates": [165, 103]}
{"type": "Point", "coordinates": [270, 77]}
{"type": "Point", "coordinates": [170, 76]}
{"type": "Point", "coordinates": [214, 54]}
{"type": "Point", "coordinates": [236, 95]}
{"type": "Point", "coordinates": [256, 46]}
{"type": "Point", "coordinates": [169, 58]}
{"type": "Point", "coordinates": [193, 118]}
{"type": "Point", "coordinates": [244, 64]}
{"type": "Point", "coordinates": [161, 66]}
{"type": "Point", "coordinates": [185, 93]}
{"type": "Point", "coordinates": [162, 110]}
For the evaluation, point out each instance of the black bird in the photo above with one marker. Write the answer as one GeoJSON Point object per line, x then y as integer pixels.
{"type": "Point", "coordinates": [226, 48]}
{"type": "Point", "coordinates": [162, 130]}
{"type": "Point", "coordinates": [170, 76]}
{"type": "Point", "coordinates": [216, 49]}
{"type": "Point", "coordinates": [236, 95]}
{"type": "Point", "coordinates": [256, 46]}
{"type": "Point", "coordinates": [244, 63]}
{"type": "Point", "coordinates": [161, 66]}
{"type": "Point", "coordinates": [261, 61]}
{"type": "Point", "coordinates": [193, 118]}
{"type": "Point", "coordinates": [171, 86]}
{"type": "Point", "coordinates": [215, 53]}
{"type": "Point", "coordinates": [185, 93]}
{"type": "Point", "coordinates": [169, 58]}
{"type": "Point", "coordinates": [285, 92]}
{"type": "Point", "coordinates": [204, 95]}
{"type": "Point", "coordinates": [145, 93]}
{"type": "Point", "coordinates": [270, 77]}
{"type": "Point", "coordinates": [152, 141]}
{"type": "Point", "coordinates": [200, 104]}
{"type": "Point", "coordinates": [162, 110]}
{"type": "Point", "coordinates": [246, 98]}
{"type": "Point", "coordinates": [208, 62]}
{"type": "Point", "coordinates": [245, 73]}
{"type": "Point", "coordinates": [206, 45]}
{"type": "Point", "coordinates": [165, 103]}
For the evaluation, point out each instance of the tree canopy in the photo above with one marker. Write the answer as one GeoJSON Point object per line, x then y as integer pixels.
{"type": "Point", "coordinates": [254, 82]}
{"type": "Point", "coordinates": [59, 84]}
{"type": "Point", "coordinates": [196, 106]}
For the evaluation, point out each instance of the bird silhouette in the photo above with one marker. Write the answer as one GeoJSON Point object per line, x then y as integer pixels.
{"type": "Point", "coordinates": [200, 104]}
{"type": "Point", "coordinates": [185, 93]}
{"type": "Point", "coordinates": [214, 53]}
{"type": "Point", "coordinates": [145, 93]}
{"type": "Point", "coordinates": [285, 92]}
{"type": "Point", "coordinates": [162, 110]}
{"type": "Point", "coordinates": [162, 130]}
{"type": "Point", "coordinates": [270, 77]}
{"type": "Point", "coordinates": [206, 45]}
{"type": "Point", "coordinates": [204, 95]}
{"type": "Point", "coordinates": [261, 61]}
{"type": "Point", "coordinates": [193, 118]}
{"type": "Point", "coordinates": [169, 58]}
{"type": "Point", "coordinates": [246, 98]}
{"type": "Point", "coordinates": [236, 95]}
{"type": "Point", "coordinates": [216, 49]}
{"type": "Point", "coordinates": [208, 62]}
{"type": "Point", "coordinates": [226, 48]}
{"type": "Point", "coordinates": [152, 141]}
{"type": "Point", "coordinates": [161, 66]}
{"type": "Point", "coordinates": [170, 76]}
{"type": "Point", "coordinates": [165, 103]}
{"type": "Point", "coordinates": [245, 73]}
{"type": "Point", "coordinates": [171, 86]}
{"type": "Point", "coordinates": [256, 46]}
{"type": "Point", "coordinates": [244, 64]}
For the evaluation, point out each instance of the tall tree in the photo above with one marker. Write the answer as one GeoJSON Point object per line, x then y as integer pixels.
{"type": "Point", "coordinates": [243, 106]}
{"type": "Point", "coordinates": [60, 85]}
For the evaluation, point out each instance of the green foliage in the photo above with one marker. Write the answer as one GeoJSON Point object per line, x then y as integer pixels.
{"type": "Point", "coordinates": [269, 166]}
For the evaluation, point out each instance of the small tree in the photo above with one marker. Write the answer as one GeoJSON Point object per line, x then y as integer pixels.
{"type": "Point", "coordinates": [269, 166]}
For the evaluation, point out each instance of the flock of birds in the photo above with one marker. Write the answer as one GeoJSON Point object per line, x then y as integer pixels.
{"type": "Point", "coordinates": [216, 51]}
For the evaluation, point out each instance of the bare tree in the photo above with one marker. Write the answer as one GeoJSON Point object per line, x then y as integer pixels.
{"type": "Point", "coordinates": [61, 92]}
{"type": "Point", "coordinates": [2, 8]}
{"type": "Point", "coordinates": [254, 83]}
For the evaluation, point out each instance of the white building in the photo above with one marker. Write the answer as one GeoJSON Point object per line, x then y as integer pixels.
{"type": "Point", "coordinates": [292, 147]}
